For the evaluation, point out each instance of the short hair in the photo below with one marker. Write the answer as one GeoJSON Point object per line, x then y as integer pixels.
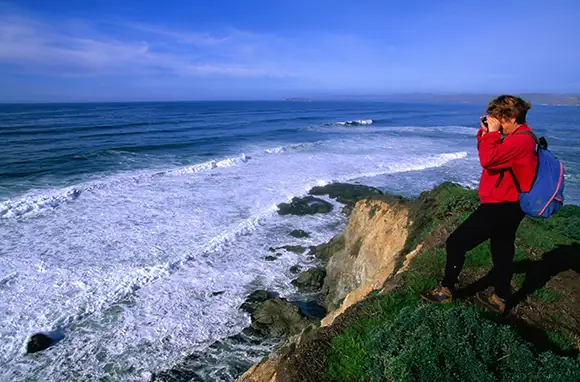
{"type": "Point", "coordinates": [507, 106]}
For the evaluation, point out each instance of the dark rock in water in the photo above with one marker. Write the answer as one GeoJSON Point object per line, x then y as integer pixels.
{"type": "Point", "coordinates": [41, 341]}
{"type": "Point", "coordinates": [278, 254]}
{"type": "Point", "coordinates": [256, 298]}
{"type": "Point", "coordinates": [325, 251]}
{"type": "Point", "coordinates": [271, 249]}
{"type": "Point", "coordinates": [298, 233]}
{"type": "Point", "coordinates": [295, 269]}
{"type": "Point", "coordinates": [308, 205]}
{"type": "Point", "coordinates": [272, 315]}
{"type": "Point", "coordinates": [345, 193]}
{"type": "Point", "coordinates": [311, 279]}
{"type": "Point", "coordinates": [270, 258]}
{"type": "Point", "coordinates": [278, 318]}
{"type": "Point", "coordinates": [218, 293]}
{"type": "Point", "coordinates": [298, 249]}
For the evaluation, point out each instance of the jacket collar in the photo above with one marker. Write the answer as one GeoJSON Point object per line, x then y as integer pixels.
{"type": "Point", "coordinates": [521, 127]}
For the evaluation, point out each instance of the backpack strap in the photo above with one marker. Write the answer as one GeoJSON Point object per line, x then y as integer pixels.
{"type": "Point", "coordinates": [517, 184]}
{"type": "Point", "coordinates": [530, 133]}
{"type": "Point", "coordinates": [540, 142]}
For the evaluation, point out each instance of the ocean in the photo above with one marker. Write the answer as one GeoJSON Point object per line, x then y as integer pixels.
{"type": "Point", "coordinates": [137, 229]}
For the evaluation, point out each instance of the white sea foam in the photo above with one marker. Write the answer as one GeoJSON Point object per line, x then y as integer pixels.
{"type": "Point", "coordinates": [359, 122]}
{"type": "Point", "coordinates": [294, 147]}
{"type": "Point", "coordinates": [276, 150]}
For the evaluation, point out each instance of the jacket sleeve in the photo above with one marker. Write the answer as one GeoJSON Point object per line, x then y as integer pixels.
{"type": "Point", "coordinates": [496, 155]}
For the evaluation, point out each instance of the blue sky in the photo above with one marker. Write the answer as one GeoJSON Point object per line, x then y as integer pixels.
{"type": "Point", "coordinates": [104, 50]}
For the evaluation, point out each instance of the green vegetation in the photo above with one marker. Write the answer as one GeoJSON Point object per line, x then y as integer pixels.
{"type": "Point", "coordinates": [563, 338]}
{"type": "Point", "coordinates": [396, 337]}
{"type": "Point", "coordinates": [348, 351]}
{"type": "Point", "coordinates": [566, 222]}
{"type": "Point", "coordinates": [433, 343]}
{"type": "Point", "coordinates": [547, 294]}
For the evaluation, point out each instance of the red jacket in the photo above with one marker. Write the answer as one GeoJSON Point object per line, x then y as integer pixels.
{"type": "Point", "coordinates": [496, 156]}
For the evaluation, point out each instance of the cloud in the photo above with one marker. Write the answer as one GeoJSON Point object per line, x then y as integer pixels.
{"type": "Point", "coordinates": [61, 48]}
{"type": "Point", "coordinates": [178, 36]}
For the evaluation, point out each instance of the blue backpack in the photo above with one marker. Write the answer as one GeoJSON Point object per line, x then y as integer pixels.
{"type": "Point", "coordinates": [547, 193]}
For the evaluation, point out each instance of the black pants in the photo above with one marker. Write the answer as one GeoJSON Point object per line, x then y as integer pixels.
{"type": "Point", "coordinates": [497, 222]}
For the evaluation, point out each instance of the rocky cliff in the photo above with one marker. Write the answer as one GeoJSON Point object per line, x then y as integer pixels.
{"type": "Point", "coordinates": [363, 258]}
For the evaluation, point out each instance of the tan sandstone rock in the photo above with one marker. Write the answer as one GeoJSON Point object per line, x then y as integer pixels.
{"type": "Point", "coordinates": [374, 238]}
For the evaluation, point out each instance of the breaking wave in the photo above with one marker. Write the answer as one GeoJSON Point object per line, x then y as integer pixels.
{"type": "Point", "coordinates": [32, 204]}
{"type": "Point", "coordinates": [359, 122]}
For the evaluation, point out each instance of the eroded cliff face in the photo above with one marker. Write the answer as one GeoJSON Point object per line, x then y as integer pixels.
{"type": "Point", "coordinates": [364, 256]}
{"type": "Point", "coordinates": [373, 241]}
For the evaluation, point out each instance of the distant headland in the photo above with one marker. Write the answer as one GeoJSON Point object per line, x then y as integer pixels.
{"type": "Point", "coordinates": [534, 98]}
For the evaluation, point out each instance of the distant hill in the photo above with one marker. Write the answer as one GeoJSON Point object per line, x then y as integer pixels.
{"type": "Point", "coordinates": [534, 98]}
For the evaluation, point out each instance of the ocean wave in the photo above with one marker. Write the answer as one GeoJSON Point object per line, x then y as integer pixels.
{"type": "Point", "coordinates": [283, 149]}
{"type": "Point", "coordinates": [228, 162]}
{"type": "Point", "coordinates": [422, 164]}
{"type": "Point", "coordinates": [32, 205]}
{"type": "Point", "coordinates": [276, 150]}
{"type": "Point", "coordinates": [359, 122]}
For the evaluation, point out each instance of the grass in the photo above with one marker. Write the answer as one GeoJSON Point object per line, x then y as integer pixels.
{"type": "Point", "coordinates": [562, 337]}
{"type": "Point", "coordinates": [547, 294]}
{"type": "Point", "coordinates": [348, 351]}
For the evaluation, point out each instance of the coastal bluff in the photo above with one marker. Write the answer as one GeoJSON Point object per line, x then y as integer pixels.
{"type": "Point", "coordinates": [393, 248]}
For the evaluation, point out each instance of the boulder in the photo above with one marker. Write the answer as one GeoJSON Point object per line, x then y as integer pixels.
{"type": "Point", "coordinates": [270, 258]}
{"type": "Point", "coordinates": [255, 299]}
{"type": "Point", "coordinates": [278, 318]}
{"type": "Point", "coordinates": [310, 280]}
{"type": "Point", "coordinates": [295, 269]}
{"type": "Point", "coordinates": [41, 341]}
{"type": "Point", "coordinates": [308, 205]}
{"type": "Point", "coordinates": [298, 233]}
{"type": "Point", "coordinates": [274, 316]}
{"type": "Point", "coordinates": [297, 249]}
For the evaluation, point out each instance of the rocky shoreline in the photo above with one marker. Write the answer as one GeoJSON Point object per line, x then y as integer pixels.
{"type": "Point", "coordinates": [276, 320]}
{"type": "Point", "coordinates": [347, 268]}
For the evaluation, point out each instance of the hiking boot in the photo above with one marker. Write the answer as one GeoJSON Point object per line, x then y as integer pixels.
{"type": "Point", "coordinates": [439, 295]}
{"type": "Point", "coordinates": [493, 303]}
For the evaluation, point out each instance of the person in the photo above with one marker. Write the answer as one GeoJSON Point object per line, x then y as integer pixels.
{"type": "Point", "coordinates": [506, 149]}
